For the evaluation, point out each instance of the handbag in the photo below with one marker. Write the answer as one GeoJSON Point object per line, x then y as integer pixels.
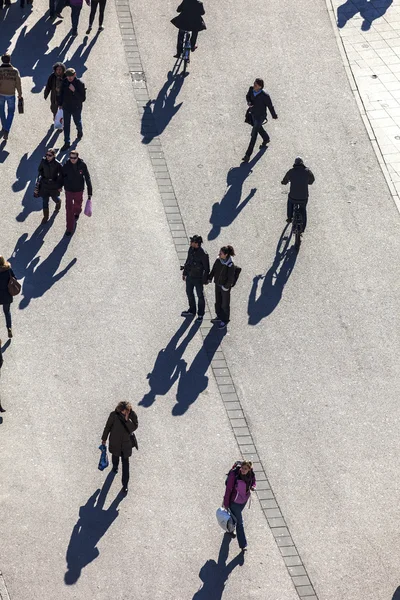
{"type": "Point", "coordinates": [249, 117]}
{"type": "Point", "coordinates": [14, 287]}
{"type": "Point", "coordinates": [103, 462]}
{"type": "Point", "coordinates": [226, 520]}
{"type": "Point", "coordinates": [58, 119]}
{"type": "Point", "coordinates": [21, 106]}
{"type": "Point", "coordinates": [88, 208]}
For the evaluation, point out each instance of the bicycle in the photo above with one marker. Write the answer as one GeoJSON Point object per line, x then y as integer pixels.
{"type": "Point", "coordinates": [298, 223]}
{"type": "Point", "coordinates": [186, 49]}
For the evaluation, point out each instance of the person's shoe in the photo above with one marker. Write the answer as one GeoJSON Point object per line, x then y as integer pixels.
{"type": "Point", "coordinates": [199, 319]}
{"type": "Point", "coordinates": [177, 55]}
{"type": "Point", "coordinates": [264, 145]}
{"type": "Point", "coordinates": [79, 135]}
{"type": "Point", "coordinates": [232, 534]}
{"type": "Point", "coordinates": [194, 48]}
{"type": "Point", "coordinates": [5, 135]}
{"type": "Point", "coordinates": [89, 29]}
{"type": "Point", "coordinates": [68, 233]}
{"type": "Point", "coordinates": [125, 489]}
{"type": "Point", "coordinates": [65, 147]}
{"type": "Point", "coordinates": [101, 28]}
{"type": "Point", "coordinates": [74, 33]}
{"type": "Point", "coordinates": [76, 217]}
{"type": "Point", "coordinates": [114, 470]}
{"type": "Point", "coordinates": [187, 313]}
{"type": "Point", "coordinates": [244, 549]}
{"type": "Point", "coordinates": [2, 409]}
{"type": "Point", "coordinates": [45, 216]}
{"type": "Point", "coordinates": [59, 16]}
{"type": "Point", "coordinates": [246, 158]}
{"type": "Point", "coordinates": [288, 220]}
{"type": "Point", "coordinates": [222, 325]}
{"type": "Point", "coordinates": [216, 320]}
{"type": "Point", "coordinates": [2, 132]}
{"type": "Point", "coordinates": [58, 206]}
{"type": "Point", "coordinates": [10, 333]}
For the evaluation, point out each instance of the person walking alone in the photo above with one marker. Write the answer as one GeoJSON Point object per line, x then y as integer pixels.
{"type": "Point", "coordinates": [6, 299]}
{"type": "Point", "coordinates": [76, 7]}
{"type": "Point", "coordinates": [93, 9]}
{"type": "Point", "coordinates": [53, 86]}
{"type": "Point", "coordinates": [195, 273]}
{"type": "Point", "coordinates": [75, 174]}
{"type": "Point", "coordinates": [299, 177]}
{"type": "Point", "coordinates": [258, 101]}
{"type": "Point", "coordinates": [10, 82]}
{"type": "Point", "coordinates": [223, 273]}
{"type": "Point", "coordinates": [71, 99]}
{"type": "Point", "coordinates": [49, 182]}
{"type": "Point", "coordinates": [120, 425]}
{"type": "Point", "coordinates": [240, 483]}
{"type": "Point", "coordinates": [189, 19]}
{"type": "Point", "coordinates": [1, 364]}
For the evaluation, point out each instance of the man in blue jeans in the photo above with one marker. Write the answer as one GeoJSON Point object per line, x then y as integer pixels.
{"type": "Point", "coordinates": [72, 96]}
{"type": "Point", "coordinates": [10, 82]}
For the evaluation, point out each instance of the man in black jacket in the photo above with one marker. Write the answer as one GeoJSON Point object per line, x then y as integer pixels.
{"type": "Point", "coordinates": [300, 177]}
{"type": "Point", "coordinates": [189, 19]}
{"type": "Point", "coordinates": [195, 273]}
{"type": "Point", "coordinates": [72, 96]}
{"type": "Point", "coordinates": [49, 182]}
{"type": "Point", "coordinates": [258, 101]}
{"type": "Point", "coordinates": [75, 173]}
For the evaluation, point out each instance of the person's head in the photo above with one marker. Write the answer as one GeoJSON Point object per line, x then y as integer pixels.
{"type": "Point", "coordinates": [4, 263]}
{"type": "Point", "coordinates": [73, 156]}
{"type": "Point", "coordinates": [196, 241]}
{"type": "Point", "coordinates": [258, 84]}
{"type": "Point", "coordinates": [124, 407]}
{"type": "Point", "coordinates": [50, 154]}
{"type": "Point", "coordinates": [298, 161]}
{"type": "Point", "coordinates": [6, 58]}
{"type": "Point", "coordinates": [59, 69]}
{"type": "Point", "coordinates": [70, 74]}
{"type": "Point", "coordinates": [246, 467]}
{"type": "Point", "coordinates": [225, 252]}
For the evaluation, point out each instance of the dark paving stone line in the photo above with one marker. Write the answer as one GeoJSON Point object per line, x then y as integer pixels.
{"type": "Point", "coordinates": [212, 338]}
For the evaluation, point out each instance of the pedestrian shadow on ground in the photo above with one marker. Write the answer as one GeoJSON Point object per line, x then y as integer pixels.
{"type": "Point", "coordinates": [3, 152]}
{"type": "Point", "coordinates": [225, 212]}
{"type": "Point", "coordinates": [369, 10]}
{"type": "Point", "coordinates": [194, 381]}
{"type": "Point", "coordinates": [5, 346]}
{"type": "Point", "coordinates": [27, 172]}
{"type": "Point", "coordinates": [214, 575]}
{"type": "Point", "coordinates": [11, 19]}
{"type": "Point", "coordinates": [26, 248]}
{"type": "Point", "coordinates": [158, 113]}
{"type": "Point", "coordinates": [274, 281]}
{"type": "Point", "coordinates": [40, 277]}
{"type": "Point", "coordinates": [92, 524]}
{"type": "Point", "coordinates": [169, 364]}
{"type": "Point", "coordinates": [81, 54]}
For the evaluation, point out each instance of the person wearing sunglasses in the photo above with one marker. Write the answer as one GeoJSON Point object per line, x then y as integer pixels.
{"type": "Point", "coordinates": [75, 175]}
{"type": "Point", "coordinates": [49, 182]}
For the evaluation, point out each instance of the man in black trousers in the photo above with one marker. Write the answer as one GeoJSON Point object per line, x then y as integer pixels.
{"type": "Point", "coordinates": [195, 273]}
{"type": "Point", "coordinates": [258, 101]}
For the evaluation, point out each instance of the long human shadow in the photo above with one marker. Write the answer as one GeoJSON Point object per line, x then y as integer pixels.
{"type": "Point", "coordinates": [26, 248]}
{"type": "Point", "coordinates": [81, 54]}
{"type": "Point", "coordinates": [225, 212]}
{"type": "Point", "coordinates": [214, 575]}
{"type": "Point", "coordinates": [27, 172]}
{"type": "Point", "coordinates": [369, 10]}
{"type": "Point", "coordinates": [92, 524]}
{"type": "Point", "coordinates": [11, 19]}
{"type": "Point", "coordinates": [169, 364]}
{"type": "Point", "coordinates": [194, 381]}
{"type": "Point", "coordinates": [41, 276]}
{"type": "Point", "coordinates": [4, 154]}
{"type": "Point", "coordinates": [273, 282]}
{"type": "Point", "coordinates": [158, 113]}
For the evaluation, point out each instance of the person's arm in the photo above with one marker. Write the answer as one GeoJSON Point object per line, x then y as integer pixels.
{"type": "Point", "coordinates": [270, 106]}
{"type": "Point", "coordinates": [228, 490]}
{"type": "Point", "coordinates": [202, 11]}
{"type": "Point", "coordinates": [311, 177]}
{"type": "Point", "coordinates": [1, 358]}
{"type": "Point", "coordinates": [231, 277]}
{"type": "Point", "coordinates": [18, 84]}
{"type": "Point", "coordinates": [253, 482]}
{"type": "Point", "coordinates": [249, 96]}
{"type": "Point", "coordinates": [107, 428]}
{"type": "Point", "coordinates": [80, 90]}
{"type": "Point", "coordinates": [60, 98]}
{"type": "Point", "coordinates": [206, 267]}
{"type": "Point", "coordinates": [286, 179]}
{"type": "Point", "coordinates": [40, 170]}
{"type": "Point", "coordinates": [211, 275]}
{"type": "Point", "coordinates": [86, 175]}
{"type": "Point", "coordinates": [134, 419]}
{"type": "Point", "coordinates": [47, 89]}
{"type": "Point", "coordinates": [60, 178]}
{"type": "Point", "coordinates": [185, 266]}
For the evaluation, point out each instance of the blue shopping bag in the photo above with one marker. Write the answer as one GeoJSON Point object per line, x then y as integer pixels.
{"type": "Point", "coordinates": [103, 462]}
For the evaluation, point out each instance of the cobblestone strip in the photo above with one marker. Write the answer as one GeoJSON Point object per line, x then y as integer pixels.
{"type": "Point", "coordinates": [3, 589]}
{"type": "Point", "coordinates": [212, 338]}
{"type": "Point", "coordinates": [368, 37]}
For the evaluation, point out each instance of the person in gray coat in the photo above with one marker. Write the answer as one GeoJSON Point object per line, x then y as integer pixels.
{"type": "Point", "coordinates": [120, 426]}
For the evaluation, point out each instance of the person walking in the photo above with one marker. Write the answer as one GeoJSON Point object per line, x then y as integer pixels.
{"type": "Point", "coordinates": [223, 273]}
{"type": "Point", "coordinates": [6, 299]}
{"type": "Point", "coordinates": [76, 7]}
{"type": "Point", "coordinates": [299, 177]}
{"type": "Point", "coordinates": [71, 99]}
{"type": "Point", "coordinates": [53, 86]}
{"type": "Point", "coordinates": [121, 425]}
{"type": "Point", "coordinates": [240, 483]}
{"type": "Point", "coordinates": [49, 182]}
{"type": "Point", "coordinates": [75, 173]}
{"type": "Point", "coordinates": [93, 9]}
{"type": "Point", "coordinates": [195, 273]}
{"type": "Point", "coordinates": [10, 82]}
{"type": "Point", "coordinates": [258, 100]}
{"type": "Point", "coordinates": [1, 364]}
{"type": "Point", "coordinates": [190, 18]}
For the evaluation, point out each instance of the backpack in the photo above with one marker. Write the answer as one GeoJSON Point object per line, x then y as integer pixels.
{"type": "Point", "coordinates": [235, 468]}
{"type": "Point", "coordinates": [237, 272]}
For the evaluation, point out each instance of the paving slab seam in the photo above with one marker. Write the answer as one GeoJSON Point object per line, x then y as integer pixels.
{"type": "Point", "coordinates": [361, 106]}
{"type": "Point", "coordinates": [212, 338]}
{"type": "Point", "coordinates": [4, 595]}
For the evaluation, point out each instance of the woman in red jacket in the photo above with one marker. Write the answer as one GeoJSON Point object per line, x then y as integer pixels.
{"type": "Point", "coordinates": [240, 483]}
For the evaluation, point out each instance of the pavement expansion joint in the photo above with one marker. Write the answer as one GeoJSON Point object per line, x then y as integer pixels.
{"type": "Point", "coordinates": [212, 338]}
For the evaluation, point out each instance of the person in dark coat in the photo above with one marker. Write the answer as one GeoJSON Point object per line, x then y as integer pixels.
{"type": "Point", "coordinates": [239, 485]}
{"type": "Point", "coordinates": [258, 101]}
{"type": "Point", "coordinates": [195, 273]}
{"type": "Point", "coordinates": [6, 299]}
{"type": "Point", "coordinates": [1, 364]}
{"type": "Point", "coordinates": [190, 18]}
{"type": "Point", "coordinates": [120, 425]}
{"type": "Point", "coordinates": [223, 273]}
{"type": "Point", "coordinates": [49, 182]}
{"type": "Point", "coordinates": [75, 174]}
{"type": "Point", "coordinates": [299, 177]}
{"type": "Point", "coordinates": [71, 99]}
{"type": "Point", "coordinates": [53, 86]}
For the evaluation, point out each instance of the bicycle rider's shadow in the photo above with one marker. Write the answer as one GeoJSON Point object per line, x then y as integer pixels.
{"type": "Point", "coordinates": [274, 280]}
{"type": "Point", "coordinates": [158, 113]}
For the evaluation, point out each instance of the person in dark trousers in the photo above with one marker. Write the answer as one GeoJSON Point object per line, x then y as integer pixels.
{"type": "Point", "coordinates": [258, 101]}
{"type": "Point", "coordinates": [53, 86]}
{"type": "Point", "coordinates": [120, 425]}
{"type": "Point", "coordinates": [195, 273]}
{"type": "Point", "coordinates": [190, 18]}
{"type": "Point", "coordinates": [240, 483]}
{"type": "Point", "coordinates": [10, 83]}
{"type": "Point", "coordinates": [93, 9]}
{"type": "Point", "coordinates": [1, 364]}
{"type": "Point", "coordinates": [71, 99]}
{"type": "Point", "coordinates": [49, 182]}
{"type": "Point", "coordinates": [75, 174]}
{"type": "Point", "coordinates": [299, 177]}
{"type": "Point", "coordinates": [223, 273]}
{"type": "Point", "coordinates": [76, 7]}
{"type": "Point", "coordinates": [6, 299]}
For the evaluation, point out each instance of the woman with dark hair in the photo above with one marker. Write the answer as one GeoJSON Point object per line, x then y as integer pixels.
{"type": "Point", "coordinates": [223, 273]}
{"type": "Point", "coordinates": [6, 273]}
{"type": "Point", "coordinates": [53, 86]}
{"type": "Point", "coordinates": [190, 18]}
{"type": "Point", "coordinates": [121, 424]}
{"type": "Point", "coordinates": [240, 483]}
{"type": "Point", "coordinates": [49, 182]}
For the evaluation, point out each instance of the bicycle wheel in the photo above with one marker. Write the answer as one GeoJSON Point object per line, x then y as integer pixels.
{"type": "Point", "coordinates": [297, 238]}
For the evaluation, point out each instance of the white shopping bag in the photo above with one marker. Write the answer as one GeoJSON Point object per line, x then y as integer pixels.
{"type": "Point", "coordinates": [225, 520]}
{"type": "Point", "coordinates": [58, 119]}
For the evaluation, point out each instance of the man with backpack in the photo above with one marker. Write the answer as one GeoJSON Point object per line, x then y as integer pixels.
{"type": "Point", "coordinates": [241, 481]}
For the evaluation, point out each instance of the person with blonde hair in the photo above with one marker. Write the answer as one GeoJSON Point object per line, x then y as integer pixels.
{"type": "Point", "coordinates": [6, 299]}
{"type": "Point", "coordinates": [240, 483]}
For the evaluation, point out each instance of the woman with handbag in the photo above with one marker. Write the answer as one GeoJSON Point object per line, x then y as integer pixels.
{"type": "Point", "coordinates": [240, 483]}
{"type": "Point", "coordinates": [6, 275]}
{"type": "Point", "coordinates": [121, 425]}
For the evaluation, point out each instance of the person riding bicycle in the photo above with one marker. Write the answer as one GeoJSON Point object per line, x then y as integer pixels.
{"type": "Point", "coordinates": [300, 177]}
{"type": "Point", "coordinates": [189, 19]}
